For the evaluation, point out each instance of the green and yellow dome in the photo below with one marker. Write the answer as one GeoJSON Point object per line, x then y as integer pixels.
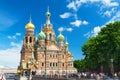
{"type": "Point", "coordinates": [41, 35]}
{"type": "Point", "coordinates": [48, 14]}
{"type": "Point", "coordinates": [60, 37]}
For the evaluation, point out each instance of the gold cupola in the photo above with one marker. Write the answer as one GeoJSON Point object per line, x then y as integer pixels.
{"type": "Point", "coordinates": [30, 25]}
{"type": "Point", "coordinates": [66, 43]}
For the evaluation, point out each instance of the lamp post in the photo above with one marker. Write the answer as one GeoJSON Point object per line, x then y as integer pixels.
{"type": "Point", "coordinates": [112, 67]}
{"type": "Point", "coordinates": [45, 61]}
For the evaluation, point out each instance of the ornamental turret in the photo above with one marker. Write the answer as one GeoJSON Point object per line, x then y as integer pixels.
{"type": "Point", "coordinates": [48, 30]}
{"type": "Point", "coordinates": [29, 39]}
{"type": "Point", "coordinates": [66, 45]}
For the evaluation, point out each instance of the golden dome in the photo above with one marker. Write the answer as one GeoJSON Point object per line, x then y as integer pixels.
{"type": "Point", "coordinates": [66, 44]}
{"type": "Point", "coordinates": [30, 25]}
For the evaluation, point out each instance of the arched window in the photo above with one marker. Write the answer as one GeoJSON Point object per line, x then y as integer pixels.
{"type": "Point", "coordinates": [53, 64]}
{"type": "Point", "coordinates": [56, 64]}
{"type": "Point", "coordinates": [50, 36]}
{"type": "Point", "coordinates": [30, 39]}
{"type": "Point", "coordinates": [50, 55]}
{"type": "Point", "coordinates": [63, 64]}
{"type": "Point", "coordinates": [42, 64]}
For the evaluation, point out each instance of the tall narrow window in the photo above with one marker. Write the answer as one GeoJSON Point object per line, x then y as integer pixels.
{"type": "Point", "coordinates": [63, 64]}
{"type": "Point", "coordinates": [50, 64]}
{"type": "Point", "coordinates": [30, 39]}
{"type": "Point", "coordinates": [42, 64]}
{"type": "Point", "coordinates": [53, 64]}
{"type": "Point", "coordinates": [50, 55]}
{"type": "Point", "coordinates": [50, 36]}
{"type": "Point", "coordinates": [56, 64]}
{"type": "Point", "coordinates": [26, 39]}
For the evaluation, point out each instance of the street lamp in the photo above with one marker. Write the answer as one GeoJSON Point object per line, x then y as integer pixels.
{"type": "Point", "coordinates": [19, 71]}
{"type": "Point", "coordinates": [112, 67]}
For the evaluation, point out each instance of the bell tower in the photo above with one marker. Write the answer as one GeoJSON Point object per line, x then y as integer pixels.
{"type": "Point", "coordinates": [28, 44]}
{"type": "Point", "coordinates": [48, 30]}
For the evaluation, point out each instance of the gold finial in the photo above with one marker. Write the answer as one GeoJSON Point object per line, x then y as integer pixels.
{"type": "Point", "coordinates": [30, 19]}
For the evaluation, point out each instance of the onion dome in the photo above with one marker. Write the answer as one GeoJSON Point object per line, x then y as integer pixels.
{"type": "Point", "coordinates": [48, 13]}
{"type": "Point", "coordinates": [60, 37]}
{"type": "Point", "coordinates": [41, 35]}
{"type": "Point", "coordinates": [66, 44]}
{"type": "Point", "coordinates": [30, 25]}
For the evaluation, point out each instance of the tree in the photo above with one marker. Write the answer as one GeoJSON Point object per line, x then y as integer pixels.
{"type": "Point", "coordinates": [100, 49]}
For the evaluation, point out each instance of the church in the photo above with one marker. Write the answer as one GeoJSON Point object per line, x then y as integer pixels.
{"type": "Point", "coordinates": [44, 52]}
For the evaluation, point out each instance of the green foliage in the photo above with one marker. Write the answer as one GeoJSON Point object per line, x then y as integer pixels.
{"type": "Point", "coordinates": [100, 49]}
{"type": "Point", "coordinates": [80, 65]}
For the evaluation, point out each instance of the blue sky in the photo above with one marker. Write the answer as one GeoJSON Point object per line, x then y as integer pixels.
{"type": "Point", "coordinates": [77, 19]}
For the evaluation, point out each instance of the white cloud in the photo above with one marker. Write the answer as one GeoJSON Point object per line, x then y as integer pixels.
{"type": "Point", "coordinates": [78, 23]}
{"type": "Point", "coordinates": [72, 5]}
{"type": "Point", "coordinates": [18, 34]}
{"type": "Point", "coordinates": [110, 3]}
{"type": "Point", "coordinates": [69, 29]}
{"type": "Point", "coordinates": [65, 15]}
{"type": "Point", "coordinates": [109, 12]}
{"type": "Point", "coordinates": [9, 37]}
{"type": "Point", "coordinates": [75, 4]}
{"type": "Point", "coordinates": [13, 44]}
{"type": "Point", "coordinates": [6, 20]}
{"type": "Point", "coordinates": [61, 29]}
{"type": "Point", "coordinates": [88, 34]}
{"type": "Point", "coordinates": [96, 30]}
{"type": "Point", "coordinates": [85, 22]}
{"type": "Point", "coordinates": [14, 36]}
{"type": "Point", "coordinates": [11, 56]}
{"type": "Point", "coordinates": [116, 17]}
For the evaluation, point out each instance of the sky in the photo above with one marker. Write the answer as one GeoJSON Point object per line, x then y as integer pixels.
{"type": "Point", "coordinates": [77, 19]}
